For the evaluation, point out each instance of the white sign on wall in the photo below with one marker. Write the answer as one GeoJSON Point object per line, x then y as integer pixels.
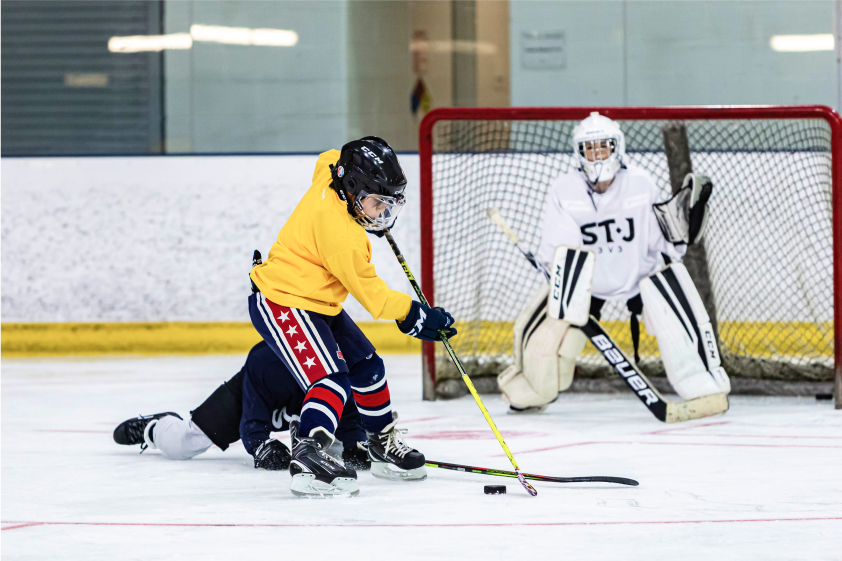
{"type": "Point", "coordinates": [543, 50]}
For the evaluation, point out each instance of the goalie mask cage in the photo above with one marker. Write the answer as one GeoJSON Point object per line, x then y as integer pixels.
{"type": "Point", "coordinates": [768, 259]}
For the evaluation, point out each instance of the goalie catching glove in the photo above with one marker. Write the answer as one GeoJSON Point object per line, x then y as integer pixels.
{"type": "Point", "coordinates": [424, 322]}
{"type": "Point", "coordinates": [683, 219]}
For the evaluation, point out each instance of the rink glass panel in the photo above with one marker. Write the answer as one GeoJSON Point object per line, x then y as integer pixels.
{"type": "Point", "coordinates": [769, 240]}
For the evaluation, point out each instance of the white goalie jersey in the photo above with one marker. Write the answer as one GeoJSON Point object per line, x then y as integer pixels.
{"type": "Point", "coordinates": [618, 225]}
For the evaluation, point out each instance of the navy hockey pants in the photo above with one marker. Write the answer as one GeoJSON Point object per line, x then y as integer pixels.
{"type": "Point", "coordinates": [331, 359]}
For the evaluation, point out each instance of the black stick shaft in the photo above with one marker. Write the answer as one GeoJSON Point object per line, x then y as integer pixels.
{"type": "Point", "coordinates": [532, 476]}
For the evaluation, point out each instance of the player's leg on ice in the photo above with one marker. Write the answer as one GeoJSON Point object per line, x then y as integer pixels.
{"type": "Point", "coordinates": [304, 342]}
{"type": "Point", "coordinates": [390, 457]}
{"type": "Point", "coordinates": [215, 421]}
{"type": "Point", "coordinates": [140, 430]}
{"type": "Point", "coordinates": [353, 438]}
{"type": "Point", "coordinates": [176, 438]}
{"type": "Point", "coordinates": [272, 401]}
{"type": "Point", "coordinates": [673, 311]}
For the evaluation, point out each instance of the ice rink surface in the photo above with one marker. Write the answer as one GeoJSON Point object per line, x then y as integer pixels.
{"type": "Point", "coordinates": [762, 482]}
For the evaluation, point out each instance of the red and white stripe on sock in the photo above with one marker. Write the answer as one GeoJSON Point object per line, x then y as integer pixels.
{"type": "Point", "coordinates": [323, 404]}
{"type": "Point", "coordinates": [375, 405]}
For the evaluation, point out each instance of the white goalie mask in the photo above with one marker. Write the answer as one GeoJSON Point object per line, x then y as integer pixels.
{"type": "Point", "coordinates": [600, 138]}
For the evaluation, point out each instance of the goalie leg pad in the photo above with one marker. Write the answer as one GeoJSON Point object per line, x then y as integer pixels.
{"type": "Point", "coordinates": [570, 284]}
{"type": "Point", "coordinates": [674, 313]}
{"type": "Point", "coordinates": [571, 347]}
{"type": "Point", "coordinates": [544, 359]}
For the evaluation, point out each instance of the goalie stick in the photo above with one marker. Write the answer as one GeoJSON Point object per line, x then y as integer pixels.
{"type": "Point", "coordinates": [663, 410]}
{"type": "Point", "coordinates": [529, 488]}
{"type": "Point", "coordinates": [532, 476]}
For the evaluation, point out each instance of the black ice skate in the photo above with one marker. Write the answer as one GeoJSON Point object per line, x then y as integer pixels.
{"type": "Point", "coordinates": [315, 473]}
{"type": "Point", "coordinates": [133, 431]}
{"type": "Point", "coordinates": [391, 458]}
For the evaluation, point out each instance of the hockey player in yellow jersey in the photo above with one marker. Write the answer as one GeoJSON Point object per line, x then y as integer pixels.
{"type": "Point", "coordinates": [322, 254]}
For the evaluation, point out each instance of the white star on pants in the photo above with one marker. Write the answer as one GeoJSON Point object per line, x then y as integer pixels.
{"type": "Point", "coordinates": [309, 362]}
{"type": "Point", "coordinates": [284, 316]}
{"type": "Point", "coordinates": [292, 330]}
{"type": "Point", "coordinates": [300, 346]}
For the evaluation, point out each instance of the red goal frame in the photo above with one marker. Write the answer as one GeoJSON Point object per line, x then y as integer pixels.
{"type": "Point", "coordinates": [687, 113]}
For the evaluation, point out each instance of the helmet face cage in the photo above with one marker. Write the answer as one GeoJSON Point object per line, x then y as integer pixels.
{"type": "Point", "coordinates": [385, 208]}
{"type": "Point", "coordinates": [596, 147]}
{"type": "Point", "coordinates": [604, 166]}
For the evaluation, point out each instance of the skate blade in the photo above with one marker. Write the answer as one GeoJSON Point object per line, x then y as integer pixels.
{"type": "Point", "coordinates": [306, 485]}
{"type": "Point", "coordinates": [385, 470]}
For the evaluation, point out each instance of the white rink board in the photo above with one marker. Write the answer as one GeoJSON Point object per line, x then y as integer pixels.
{"type": "Point", "coordinates": [761, 482]}
{"type": "Point", "coordinates": [170, 238]}
{"type": "Point", "coordinates": [157, 238]}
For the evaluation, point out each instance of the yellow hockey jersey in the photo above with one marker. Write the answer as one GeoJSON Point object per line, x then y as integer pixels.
{"type": "Point", "coordinates": [322, 254]}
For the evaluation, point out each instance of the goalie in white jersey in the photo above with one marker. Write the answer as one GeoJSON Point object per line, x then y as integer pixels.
{"type": "Point", "coordinates": [611, 208]}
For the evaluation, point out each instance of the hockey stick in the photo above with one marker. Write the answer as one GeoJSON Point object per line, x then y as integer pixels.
{"type": "Point", "coordinates": [529, 488]}
{"type": "Point", "coordinates": [532, 476]}
{"type": "Point", "coordinates": [663, 410]}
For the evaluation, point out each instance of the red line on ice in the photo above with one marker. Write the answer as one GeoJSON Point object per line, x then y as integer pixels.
{"type": "Point", "coordinates": [795, 436]}
{"type": "Point", "coordinates": [21, 525]}
{"type": "Point", "coordinates": [461, 525]}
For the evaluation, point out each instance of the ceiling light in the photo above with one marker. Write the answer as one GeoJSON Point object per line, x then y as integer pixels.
{"type": "Point", "coordinates": [244, 35]}
{"type": "Point", "coordinates": [802, 43]}
{"type": "Point", "coordinates": [144, 43]}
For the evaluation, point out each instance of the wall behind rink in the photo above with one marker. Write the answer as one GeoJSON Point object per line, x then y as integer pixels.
{"type": "Point", "coordinates": [157, 238]}
{"type": "Point", "coordinates": [167, 241]}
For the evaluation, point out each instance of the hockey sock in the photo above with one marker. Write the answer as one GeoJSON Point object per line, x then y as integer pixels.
{"type": "Point", "coordinates": [323, 404]}
{"type": "Point", "coordinates": [371, 393]}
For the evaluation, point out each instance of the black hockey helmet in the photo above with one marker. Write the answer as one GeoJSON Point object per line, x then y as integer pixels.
{"type": "Point", "coordinates": [368, 167]}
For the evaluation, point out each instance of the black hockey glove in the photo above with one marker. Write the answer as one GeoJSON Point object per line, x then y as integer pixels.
{"type": "Point", "coordinates": [356, 456]}
{"type": "Point", "coordinates": [272, 455]}
{"type": "Point", "coordinates": [424, 323]}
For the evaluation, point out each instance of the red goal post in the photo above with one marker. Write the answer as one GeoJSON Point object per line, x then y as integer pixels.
{"type": "Point", "coordinates": [464, 136]}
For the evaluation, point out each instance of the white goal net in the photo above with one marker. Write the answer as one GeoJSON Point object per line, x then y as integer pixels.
{"type": "Point", "coordinates": [766, 264]}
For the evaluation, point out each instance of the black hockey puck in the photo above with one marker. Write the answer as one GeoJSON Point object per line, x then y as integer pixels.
{"type": "Point", "coordinates": [824, 396]}
{"type": "Point", "coordinates": [495, 489]}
